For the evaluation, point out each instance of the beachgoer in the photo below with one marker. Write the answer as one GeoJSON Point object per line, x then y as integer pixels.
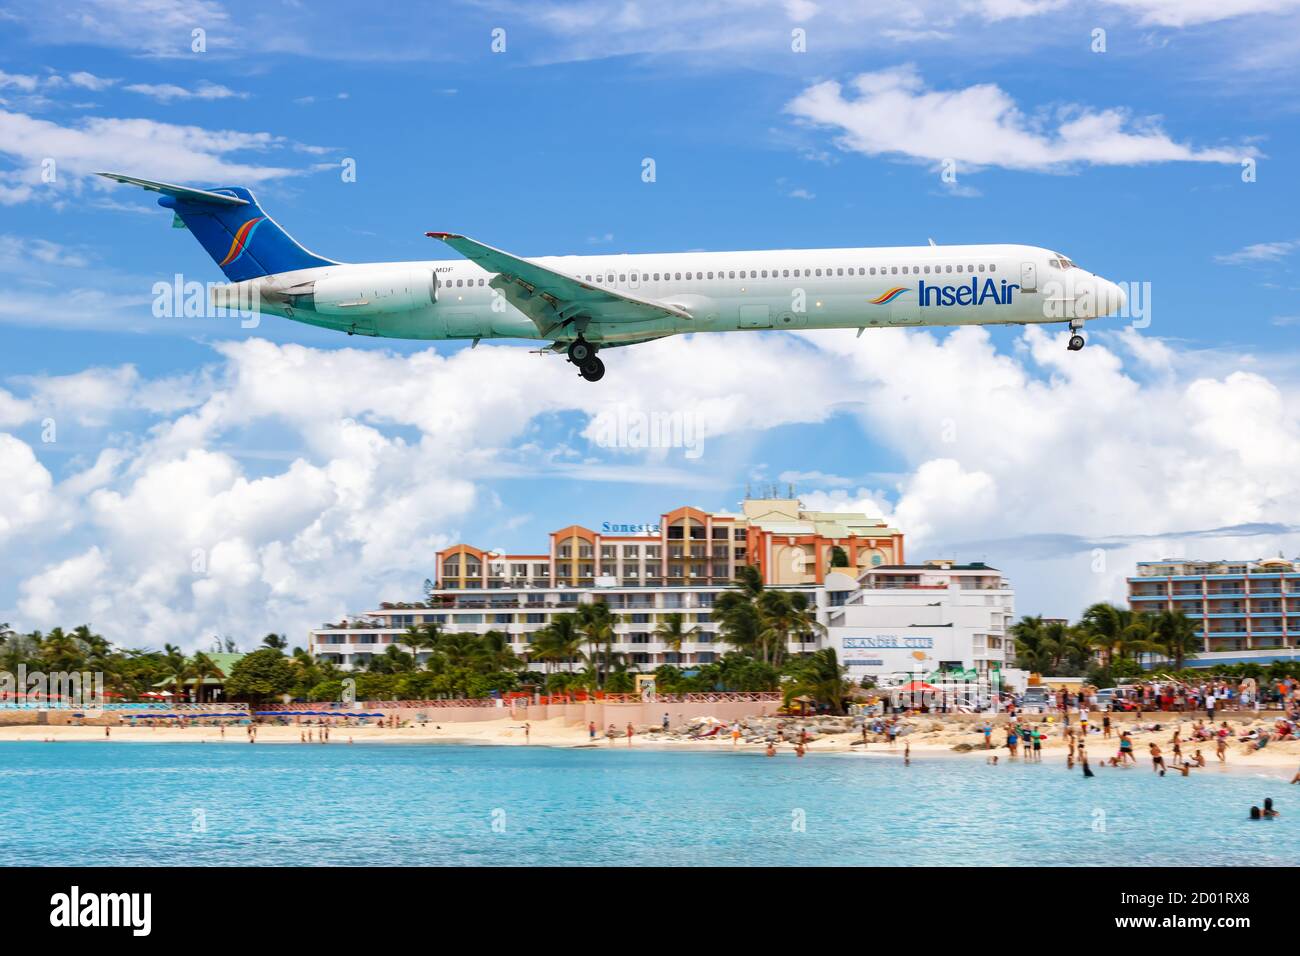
{"type": "Point", "coordinates": [665, 722]}
{"type": "Point", "coordinates": [771, 749]}
{"type": "Point", "coordinates": [1157, 761]}
{"type": "Point", "coordinates": [1268, 807]}
{"type": "Point", "coordinates": [1255, 814]}
{"type": "Point", "coordinates": [528, 732]}
{"type": "Point", "coordinates": [630, 731]}
{"type": "Point", "coordinates": [1105, 725]}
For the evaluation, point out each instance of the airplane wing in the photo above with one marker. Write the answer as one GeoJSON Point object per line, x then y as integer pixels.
{"type": "Point", "coordinates": [549, 297]}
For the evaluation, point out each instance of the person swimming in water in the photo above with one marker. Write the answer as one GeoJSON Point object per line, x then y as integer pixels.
{"type": "Point", "coordinates": [1268, 808]}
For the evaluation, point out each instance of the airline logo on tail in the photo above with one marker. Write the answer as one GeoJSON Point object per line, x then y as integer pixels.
{"type": "Point", "coordinates": [886, 297]}
{"type": "Point", "coordinates": [240, 242]}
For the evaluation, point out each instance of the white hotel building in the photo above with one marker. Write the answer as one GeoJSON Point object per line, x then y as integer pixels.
{"type": "Point", "coordinates": [920, 618]}
{"type": "Point", "coordinates": [848, 564]}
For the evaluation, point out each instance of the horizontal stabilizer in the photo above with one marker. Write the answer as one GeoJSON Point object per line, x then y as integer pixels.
{"type": "Point", "coordinates": [178, 192]}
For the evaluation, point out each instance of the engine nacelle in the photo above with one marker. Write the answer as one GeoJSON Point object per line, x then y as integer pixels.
{"type": "Point", "coordinates": [372, 292]}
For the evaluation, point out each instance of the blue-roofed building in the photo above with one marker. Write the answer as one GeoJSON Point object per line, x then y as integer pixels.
{"type": "Point", "coordinates": [1247, 611]}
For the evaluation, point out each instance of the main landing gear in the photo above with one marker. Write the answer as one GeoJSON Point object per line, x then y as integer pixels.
{"type": "Point", "coordinates": [583, 354]}
{"type": "Point", "coordinates": [1076, 340]}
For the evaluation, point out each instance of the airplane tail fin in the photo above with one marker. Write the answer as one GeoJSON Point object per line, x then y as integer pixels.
{"type": "Point", "coordinates": [242, 240]}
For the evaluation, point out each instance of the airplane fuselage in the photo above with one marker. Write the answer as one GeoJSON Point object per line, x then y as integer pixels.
{"type": "Point", "coordinates": [720, 291]}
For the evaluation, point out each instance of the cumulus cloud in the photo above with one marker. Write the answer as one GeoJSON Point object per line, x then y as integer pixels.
{"type": "Point", "coordinates": [893, 113]}
{"type": "Point", "coordinates": [179, 533]}
{"type": "Point", "coordinates": [147, 148]}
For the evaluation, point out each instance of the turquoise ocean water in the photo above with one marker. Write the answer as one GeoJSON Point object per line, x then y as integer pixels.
{"type": "Point", "coordinates": [238, 804]}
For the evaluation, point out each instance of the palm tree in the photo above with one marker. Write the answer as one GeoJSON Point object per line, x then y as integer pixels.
{"type": "Point", "coordinates": [672, 631]}
{"type": "Point", "coordinates": [420, 637]}
{"type": "Point", "coordinates": [559, 641]}
{"type": "Point", "coordinates": [176, 669]}
{"type": "Point", "coordinates": [276, 642]}
{"type": "Point", "coordinates": [201, 668]}
{"type": "Point", "coordinates": [597, 624]}
{"type": "Point", "coordinates": [1105, 625]}
{"type": "Point", "coordinates": [819, 676]}
{"type": "Point", "coordinates": [1178, 636]}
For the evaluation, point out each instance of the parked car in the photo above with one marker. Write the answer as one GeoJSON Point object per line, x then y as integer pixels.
{"type": "Point", "coordinates": [1036, 700]}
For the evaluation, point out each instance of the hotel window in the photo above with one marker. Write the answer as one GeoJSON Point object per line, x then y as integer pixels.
{"type": "Point", "coordinates": [607, 551]}
{"type": "Point", "coordinates": [652, 551]}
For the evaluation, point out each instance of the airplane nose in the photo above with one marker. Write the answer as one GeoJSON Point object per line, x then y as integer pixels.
{"type": "Point", "coordinates": [1115, 300]}
{"type": "Point", "coordinates": [1096, 298]}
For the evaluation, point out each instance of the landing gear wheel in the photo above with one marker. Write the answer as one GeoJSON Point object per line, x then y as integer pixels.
{"type": "Point", "coordinates": [593, 370]}
{"type": "Point", "coordinates": [580, 350]}
{"type": "Point", "coordinates": [1076, 342]}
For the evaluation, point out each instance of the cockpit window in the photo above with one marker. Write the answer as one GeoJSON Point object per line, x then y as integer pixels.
{"type": "Point", "coordinates": [1060, 262]}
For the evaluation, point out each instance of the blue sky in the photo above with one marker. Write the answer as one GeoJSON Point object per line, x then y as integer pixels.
{"type": "Point", "coordinates": [177, 437]}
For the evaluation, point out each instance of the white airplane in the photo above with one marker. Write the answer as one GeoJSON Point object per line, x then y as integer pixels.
{"type": "Point", "coordinates": [580, 305]}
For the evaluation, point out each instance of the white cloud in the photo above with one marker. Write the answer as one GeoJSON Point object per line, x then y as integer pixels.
{"type": "Point", "coordinates": [385, 457]}
{"type": "Point", "coordinates": [27, 498]}
{"type": "Point", "coordinates": [141, 146]}
{"type": "Point", "coordinates": [1259, 252]}
{"type": "Point", "coordinates": [24, 82]}
{"type": "Point", "coordinates": [892, 113]}
{"type": "Point", "coordinates": [89, 81]}
{"type": "Point", "coordinates": [166, 92]}
{"type": "Point", "coordinates": [1184, 13]}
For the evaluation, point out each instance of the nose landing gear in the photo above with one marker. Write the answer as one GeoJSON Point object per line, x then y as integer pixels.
{"type": "Point", "coordinates": [583, 354]}
{"type": "Point", "coordinates": [1076, 340]}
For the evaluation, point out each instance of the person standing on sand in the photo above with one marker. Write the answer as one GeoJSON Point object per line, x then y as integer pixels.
{"type": "Point", "coordinates": [988, 735]}
{"type": "Point", "coordinates": [630, 731]}
{"type": "Point", "coordinates": [591, 730]}
{"type": "Point", "coordinates": [907, 753]}
{"type": "Point", "coordinates": [665, 721]}
{"type": "Point", "coordinates": [1221, 749]}
{"type": "Point", "coordinates": [528, 732]}
{"type": "Point", "coordinates": [735, 734]}
{"type": "Point", "coordinates": [106, 730]}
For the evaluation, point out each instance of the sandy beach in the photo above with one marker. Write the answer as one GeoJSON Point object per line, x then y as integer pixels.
{"type": "Point", "coordinates": [928, 735]}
